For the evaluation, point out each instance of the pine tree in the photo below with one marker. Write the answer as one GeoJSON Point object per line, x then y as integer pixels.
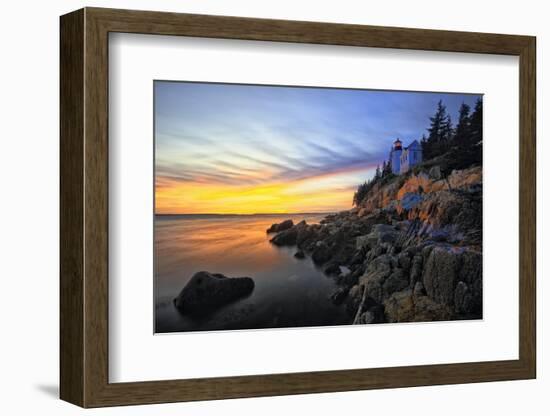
{"type": "Point", "coordinates": [462, 132]}
{"type": "Point", "coordinates": [386, 168]}
{"type": "Point", "coordinates": [439, 133]}
{"type": "Point", "coordinates": [467, 149]}
{"type": "Point", "coordinates": [476, 124]}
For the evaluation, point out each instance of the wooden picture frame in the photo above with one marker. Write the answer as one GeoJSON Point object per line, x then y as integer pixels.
{"type": "Point", "coordinates": [84, 207]}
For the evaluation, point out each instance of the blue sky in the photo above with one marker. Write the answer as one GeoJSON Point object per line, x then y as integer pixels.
{"type": "Point", "coordinates": [238, 137]}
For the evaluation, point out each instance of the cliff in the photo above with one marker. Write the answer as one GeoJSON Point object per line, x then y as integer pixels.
{"type": "Point", "coordinates": [410, 251]}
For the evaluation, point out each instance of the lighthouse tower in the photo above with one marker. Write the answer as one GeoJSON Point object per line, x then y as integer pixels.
{"type": "Point", "coordinates": [395, 156]}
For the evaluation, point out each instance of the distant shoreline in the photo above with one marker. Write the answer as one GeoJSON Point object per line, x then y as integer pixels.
{"type": "Point", "coordinates": [247, 215]}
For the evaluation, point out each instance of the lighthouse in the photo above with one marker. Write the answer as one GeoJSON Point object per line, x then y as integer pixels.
{"type": "Point", "coordinates": [395, 157]}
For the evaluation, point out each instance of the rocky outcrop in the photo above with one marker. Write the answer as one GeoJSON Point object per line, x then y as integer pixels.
{"type": "Point", "coordinates": [411, 251]}
{"type": "Point", "coordinates": [408, 306]}
{"type": "Point", "coordinates": [206, 292]}
{"type": "Point", "coordinates": [275, 228]}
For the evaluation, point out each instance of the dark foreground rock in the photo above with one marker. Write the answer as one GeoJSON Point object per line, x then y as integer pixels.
{"type": "Point", "coordinates": [207, 291]}
{"type": "Point", "coordinates": [276, 228]}
{"type": "Point", "coordinates": [300, 254]}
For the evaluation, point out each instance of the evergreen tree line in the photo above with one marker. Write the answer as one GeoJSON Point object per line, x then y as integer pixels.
{"type": "Point", "coordinates": [461, 144]}
{"type": "Point", "coordinates": [380, 174]}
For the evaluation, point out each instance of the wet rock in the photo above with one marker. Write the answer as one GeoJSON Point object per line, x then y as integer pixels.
{"type": "Point", "coordinates": [463, 298]}
{"type": "Point", "coordinates": [299, 254]}
{"type": "Point", "coordinates": [339, 295]}
{"type": "Point", "coordinates": [366, 241]}
{"type": "Point", "coordinates": [333, 269]}
{"type": "Point", "coordinates": [396, 282]}
{"type": "Point", "coordinates": [365, 318]}
{"type": "Point", "coordinates": [321, 254]}
{"type": "Point", "coordinates": [285, 238]}
{"type": "Point", "coordinates": [376, 274]}
{"type": "Point", "coordinates": [419, 289]}
{"type": "Point", "coordinates": [404, 261]}
{"type": "Point", "coordinates": [416, 269]}
{"type": "Point", "coordinates": [207, 291]}
{"type": "Point", "coordinates": [275, 228]}
{"type": "Point", "coordinates": [289, 237]}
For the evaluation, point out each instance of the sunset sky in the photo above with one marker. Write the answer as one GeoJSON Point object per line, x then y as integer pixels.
{"type": "Point", "coordinates": [240, 149]}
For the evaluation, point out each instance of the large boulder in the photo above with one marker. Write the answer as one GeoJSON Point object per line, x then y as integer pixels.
{"type": "Point", "coordinates": [396, 282]}
{"type": "Point", "coordinates": [406, 306]}
{"type": "Point", "coordinates": [380, 233]}
{"type": "Point", "coordinates": [453, 276]}
{"type": "Point", "coordinates": [441, 273]}
{"type": "Point", "coordinates": [275, 228]}
{"type": "Point", "coordinates": [285, 238]}
{"type": "Point", "coordinates": [290, 236]}
{"type": "Point", "coordinates": [375, 276]}
{"type": "Point", "coordinates": [321, 253]}
{"type": "Point", "coordinates": [207, 291]}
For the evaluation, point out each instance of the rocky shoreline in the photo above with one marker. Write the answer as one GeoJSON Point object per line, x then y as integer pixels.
{"type": "Point", "coordinates": [409, 252]}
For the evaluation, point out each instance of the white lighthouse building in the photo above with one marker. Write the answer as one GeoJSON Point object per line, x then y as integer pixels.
{"type": "Point", "coordinates": [402, 159]}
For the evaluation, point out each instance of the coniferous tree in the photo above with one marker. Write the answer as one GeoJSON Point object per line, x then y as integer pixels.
{"type": "Point", "coordinates": [439, 133]}
{"type": "Point", "coordinates": [462, 132]}
{"type": "Point", "coordinates": [467, 143]}
{"type": "Point", "coordinates": [386, 168]}
{"type": "Point", "coordinates": [476, 124]}
{"type": "Point", "coordinates": [447, 131]}
{"type": "Point", "coordinates": [475, 142]}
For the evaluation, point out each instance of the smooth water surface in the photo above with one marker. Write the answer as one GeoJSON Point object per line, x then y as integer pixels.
{"type": "Point", "coordinates": [288, 292]}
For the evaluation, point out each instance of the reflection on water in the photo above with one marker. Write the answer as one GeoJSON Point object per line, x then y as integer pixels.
{"type": "Point", "coordinates": [288, 292]}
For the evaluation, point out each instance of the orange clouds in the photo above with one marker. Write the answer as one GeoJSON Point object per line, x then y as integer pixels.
{"type": "Point", "coordinates": [316, 194]}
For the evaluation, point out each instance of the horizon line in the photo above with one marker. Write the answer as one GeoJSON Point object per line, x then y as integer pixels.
{"type": "Point", "coordinates": [256, 213]}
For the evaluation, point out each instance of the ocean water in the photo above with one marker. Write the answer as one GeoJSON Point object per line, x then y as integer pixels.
{"type": "Point", "coordinates": [288, 292]}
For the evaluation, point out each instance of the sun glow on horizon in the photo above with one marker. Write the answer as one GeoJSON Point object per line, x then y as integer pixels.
{"type": "Point", "coordinates": [316, 194]}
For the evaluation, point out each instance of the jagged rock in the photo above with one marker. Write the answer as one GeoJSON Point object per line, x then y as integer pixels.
{"type": "Point", "coordinates": [440, 274]}
{"type": "Point", "coordinates": [416, 269]}
{"type": "Point", "coordinates": [339, 295]}
{"type": "Point", "coordinates": [365, 318]}
{"type": "Point", "coordinates": [207, 291]}
{"type": "Point", "coordinates": [409, 201]}
{"type": "Point", "coordinates": [380, 234]}
{"type": "Point", "coordinates": [285, 238]}
{"type": "Point", "coordinates": [463, 298]}
{"type": "Point", "coordinates": [366, 241]}
{"type": "Point", "coordinates": [465, 178]}
{"type": "Point", "coordinates": [405, 306]}
{"type": "Point", "coordinates": [333, 269]}
{"type": "Point", "coordinates": [289, 237]}
{"type": "Point", "coordinates": [376, 274]}
{"type": "Point", "coordinates": [420, 182]}
{"type": "Point", "coordinates": [275, 228]}
{"type": "Point", "coordinates": [404, 261]}
{"type": "Point", "coordinates": [396, 282]}
{"type": "Point", "coordinates": [419, 289]}
{"type": "Point", "coordinates": [321, 254]}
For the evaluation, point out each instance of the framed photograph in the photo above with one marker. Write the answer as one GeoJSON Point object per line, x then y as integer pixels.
{"type": "Point", "coordinates": [255, 207]}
